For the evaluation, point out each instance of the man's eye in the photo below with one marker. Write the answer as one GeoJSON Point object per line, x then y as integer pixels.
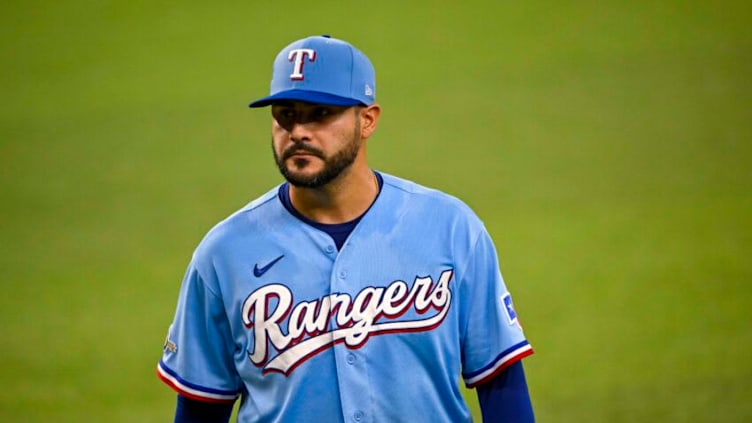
{"type": "Point", "coordinates": [321, 113]}
{"type": "Point", "coordinates": [285, 115]}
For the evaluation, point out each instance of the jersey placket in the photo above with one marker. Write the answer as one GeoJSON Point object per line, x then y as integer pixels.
{"type": "Point", "coordinates": [351, 363]}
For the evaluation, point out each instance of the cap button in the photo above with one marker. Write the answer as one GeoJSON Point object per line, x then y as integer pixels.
{"type": "Point", "coordinates": [326, 35]}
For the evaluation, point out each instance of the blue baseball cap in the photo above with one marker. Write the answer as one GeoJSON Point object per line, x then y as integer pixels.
{"type": "Point", "coordinates": [321, 70]}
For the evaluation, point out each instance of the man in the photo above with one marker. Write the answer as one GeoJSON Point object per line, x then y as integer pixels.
{"type": "Point", "coordinates": [344, 294]}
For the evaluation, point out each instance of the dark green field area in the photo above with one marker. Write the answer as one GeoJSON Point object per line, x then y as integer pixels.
{"type": "Point", "coordinates": [607, 146]}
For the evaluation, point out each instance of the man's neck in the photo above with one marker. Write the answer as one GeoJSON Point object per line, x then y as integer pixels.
{"type": "Point", "coordinates": [339, 201]}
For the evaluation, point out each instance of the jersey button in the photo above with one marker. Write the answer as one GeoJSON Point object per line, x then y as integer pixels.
{"type": "Point", "coordinates": [350, 358]}
{"type": "Point", "coordinates": [343, 274]}
{"type": "Point", "coordinates": [358, 416]}
{"type": "Point", "coordinates": [330, 249]}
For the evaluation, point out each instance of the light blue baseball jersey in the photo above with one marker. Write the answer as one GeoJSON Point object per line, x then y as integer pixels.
{"type": "Point", "coordinates": [380, 331]}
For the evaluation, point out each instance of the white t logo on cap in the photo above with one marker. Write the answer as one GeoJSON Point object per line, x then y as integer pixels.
{"type": "Point", "coordinates": [297, 56]}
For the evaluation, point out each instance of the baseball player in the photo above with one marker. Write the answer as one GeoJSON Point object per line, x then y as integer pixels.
{"type": "Point", "coordinates": [343, 294]}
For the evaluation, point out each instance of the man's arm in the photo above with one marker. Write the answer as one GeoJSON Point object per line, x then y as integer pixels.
{"type": "Point", "coordinates": [194, 411]}
{"type": "Point", "coordinates": [505, 398]}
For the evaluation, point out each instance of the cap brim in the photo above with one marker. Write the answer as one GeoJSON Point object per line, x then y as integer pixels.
{"type": "Point", "coordinates": [313, 97]}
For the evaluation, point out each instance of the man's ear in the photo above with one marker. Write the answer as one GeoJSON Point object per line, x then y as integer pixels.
{"type": "Point", "coordinates": [369, 118]}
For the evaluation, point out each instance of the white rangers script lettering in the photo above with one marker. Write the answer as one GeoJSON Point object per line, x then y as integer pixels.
{"type": "Point", "coordinates": [355, 319]}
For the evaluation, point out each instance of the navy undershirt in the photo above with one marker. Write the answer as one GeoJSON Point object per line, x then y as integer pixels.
{"type": "Point", "coordinates": [503, 399]}
{"type": "Point", "coordinates": [194, 411]}
{"type": "Point", "coordinates": [338, 231]}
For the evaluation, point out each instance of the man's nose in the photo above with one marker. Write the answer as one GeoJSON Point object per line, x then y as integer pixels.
{"type": "Point", "coordinates": [300, 131]}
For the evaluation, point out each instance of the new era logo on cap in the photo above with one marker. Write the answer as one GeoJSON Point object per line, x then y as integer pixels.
{"type": "Point", "coordinates": [321, 70]}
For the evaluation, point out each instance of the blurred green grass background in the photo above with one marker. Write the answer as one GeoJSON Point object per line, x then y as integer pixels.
{"type": "Point", "coordinates": [605, 144]}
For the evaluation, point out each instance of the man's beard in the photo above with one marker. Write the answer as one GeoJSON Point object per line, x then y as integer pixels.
{"type": "Point", "coordinates": [333, 166]}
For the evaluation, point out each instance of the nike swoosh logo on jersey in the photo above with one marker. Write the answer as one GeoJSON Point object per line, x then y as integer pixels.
{"type": "Point", "coordinates": [258, 271]}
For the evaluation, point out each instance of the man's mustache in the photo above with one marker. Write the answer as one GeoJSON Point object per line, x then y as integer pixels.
{"type": "Point", "coordinates": [301, 147]}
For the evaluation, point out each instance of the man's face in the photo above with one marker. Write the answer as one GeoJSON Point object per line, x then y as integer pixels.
{"type": "Point", "coordinates": [312, 143]}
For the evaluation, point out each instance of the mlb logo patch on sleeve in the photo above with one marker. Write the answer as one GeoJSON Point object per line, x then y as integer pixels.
{"type": "Point", "coordinates": [509, 309]}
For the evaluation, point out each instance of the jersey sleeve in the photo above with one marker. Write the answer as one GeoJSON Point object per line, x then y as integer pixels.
{"type": "Point", "coordinates": [197, 360]}
{"type": "Point", "coordinates": [492, 338]}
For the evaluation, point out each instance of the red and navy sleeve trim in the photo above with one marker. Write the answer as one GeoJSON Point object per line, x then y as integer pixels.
{"type": "Point", "coordinates": [193, 391]}
{"type": "Point", "coordinates": [501, 362]}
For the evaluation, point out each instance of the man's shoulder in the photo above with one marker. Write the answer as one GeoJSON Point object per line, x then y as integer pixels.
{"type": "Point", "coordinates": [424, 213]}
{"type": "Point", "coordinates": [253, 217]}
{"type": "Point", "coordinates": [428, 197]}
